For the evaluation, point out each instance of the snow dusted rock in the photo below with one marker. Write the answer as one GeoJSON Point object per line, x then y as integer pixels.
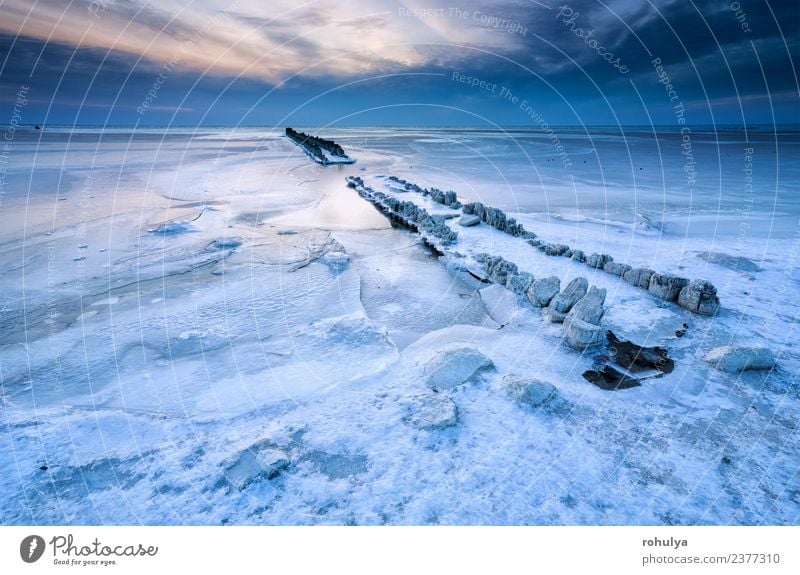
{"type": "Point", "coordinates": [468, 221]}
{"type": "Point", "coordinates": [563, 302]}
{"type": "Point", "coordinates": [639, 277]}
{"type": "Point", "coordinates": [450, 368]}
{"type": "Point", "coordinates": [556, 249]}
{"type": "Point", "coordinates": [519, 283]}
{"type": "Point", "coordinates": [433, 411]}
{"type": "Point", "coordinates": [578, 256]}
{"type": "Point", "coordinates": [543, 290]}
{"type": "Point", "coordinates": [581, 325]}
{"type": "Point", "coordinates": [598, 260]}
{"type": "Point", "coordinates": [532, 392]}
{"type": "Point", "coordinates": [733, 358]}
{"type": "Point", "coordinates": [500, 303]}
{"type": "Point", "coordinates": [616, 269]}
{"type": "Point", "coordinates": [700, 297]}
{"type": "Point", "coordinates": [666, 287]}
{"type": "Point", "coordinates": [590, 307]}
{"type": "Point", "coordinates": [262, 460]}
{"type": "Point", "coordinates": [499, 269]}
{"type": "Point", "coordinates": [581, 334]}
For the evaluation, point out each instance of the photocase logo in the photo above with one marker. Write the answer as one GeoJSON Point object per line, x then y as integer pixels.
{"type": "Point", "coordinates": [31, 549]}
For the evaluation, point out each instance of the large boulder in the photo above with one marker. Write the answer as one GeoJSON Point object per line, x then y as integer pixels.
{"type": "Point", "coordinates": [499, 269]}
{"type": "Point", "coordinates": [639, 277]}
{"type": "Point", "coordinates": [616, 269]}
{"type": "Point", "coordinates": [598, 260]}
{"type": "Point", "coordinates": [262, 460]}
{"type": "Point", "coordinates": [529, 391]}
{"type": "Point", "coordinates": [581, 335]}
{"type": "Point", "coordinates": [433, 411]}
{"type": "Point", "coordinates": [700, 297]}
{"type": "Point", "coordinates": [555, 249]}
{"type": "Point", "coordinates": [666, 287]}
{"type": "Point", "coordinates": [590, 307]}
{"type": "Point", "coordinates": [519, 283]}
{"type": "Point", "coordinates": [564, 301]}
{"type": "Point", "coordinates": [450, 368]}
{"type": "Point", "coordinates": [543, 290]}
{"type": "Point", "coordinates": [734, 358]}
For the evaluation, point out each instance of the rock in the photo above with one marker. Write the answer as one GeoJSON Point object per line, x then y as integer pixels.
{"type": "Point", "coordinates": [610, 379]}
{"type": "Point", "coordinates": [734, 358]}
{"type": "Point", "coordinates": [616, 269]}
{"type": "Point", "coordinates": [590, 307]}
{"type": "Point", "coordinates": [598, 260]}
{"type": "Point", "coordinates": [261, 460]}
{"type": "Point", "coordinates": [564, 301]}
{"type": "Point", "coordinates": [581, 335]}
{"type": "Point", "coordinates": [736, 263]}
{"type": "Point", "coordinates": [519, 283]}
{"type": "Point", "coordinates": [700, 297]}
{"type": "Point", "coordinates": [468, 221]}
{"type": "Point", "coordinates": [578, 256]}
{"type": "Point", "coordinates": [639, 359]}
{"type": "Point", "coordinates": [556, 249]}
{"type": "Point", "coordinates": [450, 368]}
{"type": "Point", "coordinates": [499, 269]}
{"type": "Point", "coordinates": [500, 303]}
{"type": "Point", "coordinates": [531, 392]}
{"type": "Point", "coordinates": [433, 411]}
{"type": "Point", "coordinates": [543, 290]}
{"type": "Point", "coordinates": [639, 277]}
{"type": "Point", "coordinates": [666, 287]}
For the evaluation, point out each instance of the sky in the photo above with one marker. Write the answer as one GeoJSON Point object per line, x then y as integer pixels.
{"type": "Point", "coordinates": [389, 62]}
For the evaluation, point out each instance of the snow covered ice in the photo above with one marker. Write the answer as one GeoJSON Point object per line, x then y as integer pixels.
{"type": "Point", "coordinates": [206, 327]}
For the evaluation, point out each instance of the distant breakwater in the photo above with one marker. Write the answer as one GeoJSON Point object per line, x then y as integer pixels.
{"type": "Point", "coordinates": [322, 151]}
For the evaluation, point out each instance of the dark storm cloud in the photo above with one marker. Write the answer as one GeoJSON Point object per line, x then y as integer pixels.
{"type": "Point", "coordinates": [725, 65]}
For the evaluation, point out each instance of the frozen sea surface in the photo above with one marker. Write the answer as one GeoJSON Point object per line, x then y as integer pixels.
{"type": "Point", "coordinates": [171, 298]}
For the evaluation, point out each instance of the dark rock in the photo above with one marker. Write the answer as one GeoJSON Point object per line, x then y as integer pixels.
{"type": "Point", "coordinates": [638, 359]}
{"type": "Point", "coordinates": [610, 379]}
